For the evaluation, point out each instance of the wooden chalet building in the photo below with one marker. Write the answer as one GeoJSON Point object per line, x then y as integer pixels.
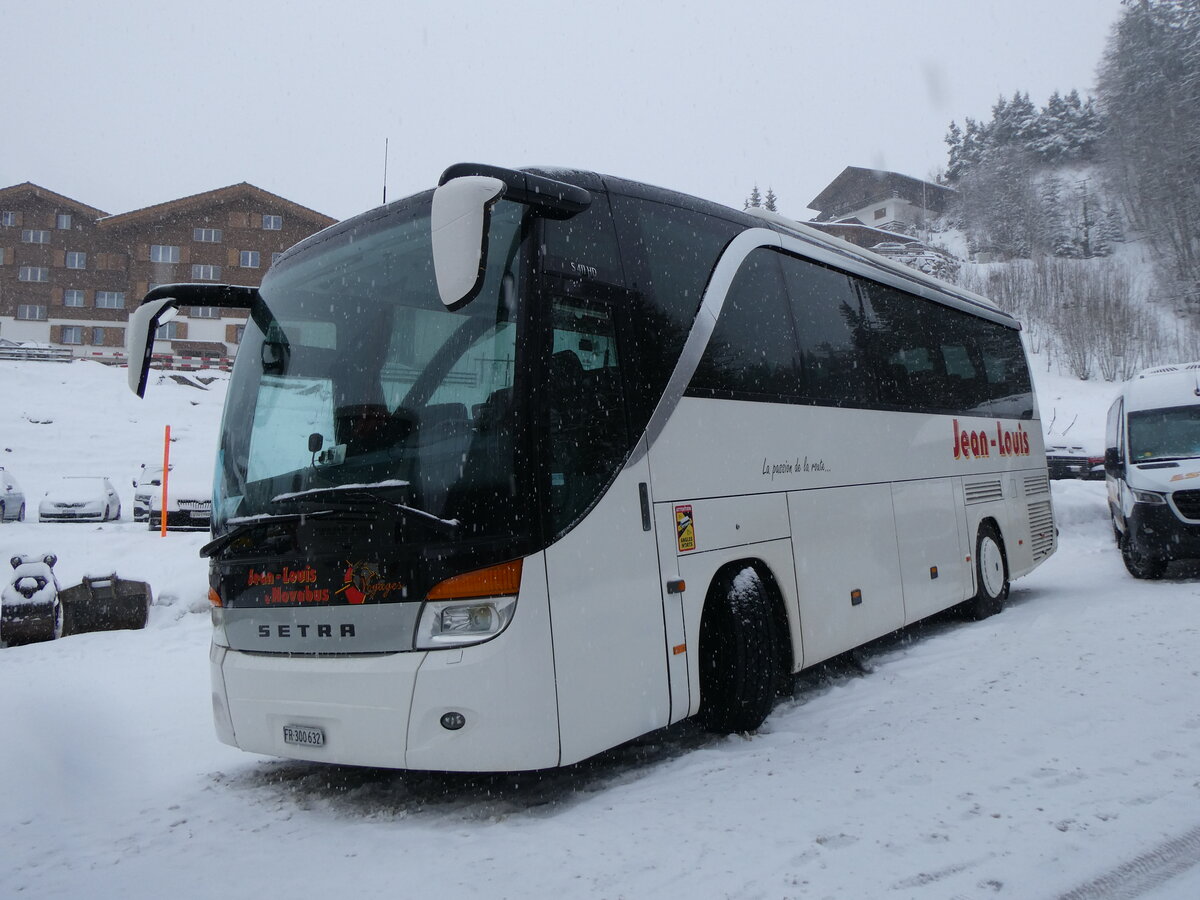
{"type": "Point", "coordinates": [70, 273]}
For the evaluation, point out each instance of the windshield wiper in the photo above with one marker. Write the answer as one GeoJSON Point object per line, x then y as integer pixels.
{"type": "Point", "coordinates": [357, 496]}
{"type": "Point", "coordinates": [244, 527]}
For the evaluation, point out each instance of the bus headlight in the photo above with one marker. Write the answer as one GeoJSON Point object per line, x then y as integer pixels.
{"type": "Point", "coordinates": [448, 623]}
{"type": "Point", "coordinates": [1149, 497]}
{"type": "Point", "coordinates": [469, 608]}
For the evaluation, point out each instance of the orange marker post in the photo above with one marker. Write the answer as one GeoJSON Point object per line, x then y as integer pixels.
{"type": "Point", "coordinates": [166, 469]}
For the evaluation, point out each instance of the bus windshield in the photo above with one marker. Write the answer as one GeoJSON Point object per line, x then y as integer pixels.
{"type": "Point", "coordinates": [1170, 433]}
{"type": "Point", "coordinates": [356, 387]}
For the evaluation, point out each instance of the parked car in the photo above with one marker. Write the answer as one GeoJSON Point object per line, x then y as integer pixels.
{"type": "Point", "coordinates": [144, 485]}
{"type": "Point", "coordinates": [1073, 461]}
{"type": "Point", "coordinates": [82, 498]}
{"type": "Point", "coordinates": [12, 498]}
{"type": "Point", "coordinates": [30, 609]}
{"type": "Point", "coordinates": [189, 504]}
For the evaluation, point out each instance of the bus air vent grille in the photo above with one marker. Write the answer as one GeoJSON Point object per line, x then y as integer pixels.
{"type": "Point", "coordinates": [1037, 484]}
{"type": "Point", "coordinates": [1188, 503]}
{"type": "Point", "coordinates": [983, 491]}
{"type": "Point", "coordinates": [1041, 529]}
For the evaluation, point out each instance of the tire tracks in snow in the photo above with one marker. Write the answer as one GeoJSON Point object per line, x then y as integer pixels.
{"type": "Point", "coordinates": [1143, 873]}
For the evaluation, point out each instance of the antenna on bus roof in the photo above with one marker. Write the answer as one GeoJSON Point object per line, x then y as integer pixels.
{"type": "Point", "coordinates": [385, 156]}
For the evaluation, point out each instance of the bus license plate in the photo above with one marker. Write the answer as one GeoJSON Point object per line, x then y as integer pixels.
{"type": "Point", "coordinates": [304, 735]}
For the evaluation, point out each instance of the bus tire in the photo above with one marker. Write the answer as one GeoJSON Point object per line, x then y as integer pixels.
{"type": "Point", "coordinates": [738, 659]}
{"type": "Point", "coordinates": [1140, 564]}
{"type": "Point", "coordinates": [991, 574]}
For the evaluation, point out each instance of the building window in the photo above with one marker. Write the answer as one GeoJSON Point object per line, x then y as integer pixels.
{"type": "Point", "coordinates": [249, 259]}
{"type": "Point", "coordinates": [72, 334]}
{"type": "Point", "coordinates": [35, 236]}
{"type": "Point", "coordinates": [206, 273]}
{"type": "Point", "coordinates": [74, 298]}
{"type": "Point", "coordinates": [207, 235]}
{"type": "Point", "coordinates": [273, 223]}
{"type": "Point", "coordinates": [33, 273]}
{"type": "Point", "coordinates": [238, 332]}
{"type": "Point", "coordinates": [8, 218]}
{"type": "Point", "coordinates": [880, 213]}
{"type": "Point", "coordinates": [206, 312]}
{"type": "Point", "coordinates": [76, 260]}
{"type": "Point", "coordinates": [62, 221]}
{"type": "Point", "coordinates": [164, 253]}
{"type": "Point", "coordinates": [169, 332]}
{"type": "Point", "coordinates": [110, 299]}
{"type": "Point", "coordinates": [98, 337]}
{"type": "Point", "coordinates": [31, 312]}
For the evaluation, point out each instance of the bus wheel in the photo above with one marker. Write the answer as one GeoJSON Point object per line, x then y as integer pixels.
{"type": "Point", "coordinates": [1139, 563]}
{"type": "Point", "coordinates": [991, 574]}
{"type": "Point", "coordinates": [738, 662]}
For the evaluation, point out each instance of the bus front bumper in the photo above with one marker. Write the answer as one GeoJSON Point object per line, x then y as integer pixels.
{"type": "Point", "coordinates": [483, 708]}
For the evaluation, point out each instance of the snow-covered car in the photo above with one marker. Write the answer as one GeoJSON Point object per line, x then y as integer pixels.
{"type": "Point", "coordinates": [12, 498]}
{"type": "Point", "coordinates": [148, 482]}
{"type": "Point", "coordinates": [189, 504]}
{"type": "Point", "coordinates": [30, 609]}
{"type": "Point", "coordinates": [81, 498]}
{"type": "Point", "coordinates": [1073, 461]}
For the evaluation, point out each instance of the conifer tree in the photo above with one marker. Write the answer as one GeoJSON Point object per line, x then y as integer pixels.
{"type": "Point", "coordinates": [769, 203]}
{"type": "Point", "coordinates": [754, 201]}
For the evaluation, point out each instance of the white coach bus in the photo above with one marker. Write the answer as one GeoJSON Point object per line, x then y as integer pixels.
{"type": "Point", "coordinates": [520, 468]}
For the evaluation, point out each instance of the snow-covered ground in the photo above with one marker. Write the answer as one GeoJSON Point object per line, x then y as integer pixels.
{"type": "Point", "coordinates": [1050, 751]}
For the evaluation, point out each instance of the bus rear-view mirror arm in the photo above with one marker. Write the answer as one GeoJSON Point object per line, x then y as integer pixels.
{"type": "Point", "coordinates": [161, 305]}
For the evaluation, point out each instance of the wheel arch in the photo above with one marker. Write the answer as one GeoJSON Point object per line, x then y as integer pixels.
{"type": "Point", "coordinates": [784, 652]}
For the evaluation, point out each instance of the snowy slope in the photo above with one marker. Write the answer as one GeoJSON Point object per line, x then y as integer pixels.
{"type": "Point", "coordinates": [1051, 751]}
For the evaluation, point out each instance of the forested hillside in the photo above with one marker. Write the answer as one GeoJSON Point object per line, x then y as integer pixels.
{"type": "Point", "coordinates": [1083, 216]}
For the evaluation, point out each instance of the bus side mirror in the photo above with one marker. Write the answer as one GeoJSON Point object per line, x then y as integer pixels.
{"type": "Point", "coordinates": [1112, 462]}
{"type": "Point", "coordinates": [139, 338]}
{"type": "Point", "coordinates": [459, 228]}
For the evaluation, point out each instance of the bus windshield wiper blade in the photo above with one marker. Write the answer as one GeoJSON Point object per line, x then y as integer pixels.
{"type": "Point", "coordinates": [359, 495]}
{"type": "Point", "coordinates": [252, 523]}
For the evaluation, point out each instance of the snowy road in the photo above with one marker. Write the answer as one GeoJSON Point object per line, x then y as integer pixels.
{"type": "Point", "coordinates": [1050, 751]}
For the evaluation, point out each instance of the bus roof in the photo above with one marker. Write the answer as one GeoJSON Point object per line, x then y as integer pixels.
{"type": "Point", "coordinates": [868, 263]}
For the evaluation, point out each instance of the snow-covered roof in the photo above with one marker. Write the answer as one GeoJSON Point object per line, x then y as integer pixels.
{"type": "Point", "coordinates": [857, 187]}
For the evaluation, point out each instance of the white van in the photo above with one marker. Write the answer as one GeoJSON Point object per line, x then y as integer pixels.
{"type": "Point", "coordinates": [1152, 468]}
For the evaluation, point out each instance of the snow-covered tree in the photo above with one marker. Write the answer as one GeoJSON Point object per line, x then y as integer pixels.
{"type": "Point", "coordinates": [769, 202]}
{"type": "Point", "coordinates": [1149, 94]}
{"type": "Point", "coordinates": [754, 201]}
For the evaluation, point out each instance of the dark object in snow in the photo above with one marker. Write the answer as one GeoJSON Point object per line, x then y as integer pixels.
{"type": "Point", "coordinates": [107, 603]}
{"type": "Point", "coordinates": [1064, 461]}
{"type": "Point", "coordinates": [30, 607]}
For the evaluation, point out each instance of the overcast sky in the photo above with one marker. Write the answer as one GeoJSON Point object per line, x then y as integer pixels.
{"type": "Point", "coordinates": [125, 104]}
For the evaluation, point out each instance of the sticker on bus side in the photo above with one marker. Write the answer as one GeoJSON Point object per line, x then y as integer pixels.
{"type": "Point", "coordinates": [685, 528]}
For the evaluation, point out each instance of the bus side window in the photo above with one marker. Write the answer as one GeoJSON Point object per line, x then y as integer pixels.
{"type": "Point", "coordinates": [752, 351]}
{"type": "Point", "coordinates": [832, 327]}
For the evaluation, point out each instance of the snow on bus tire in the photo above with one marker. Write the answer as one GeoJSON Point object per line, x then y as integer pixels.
{"type": "Point", "coordinates": [738, 654]}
